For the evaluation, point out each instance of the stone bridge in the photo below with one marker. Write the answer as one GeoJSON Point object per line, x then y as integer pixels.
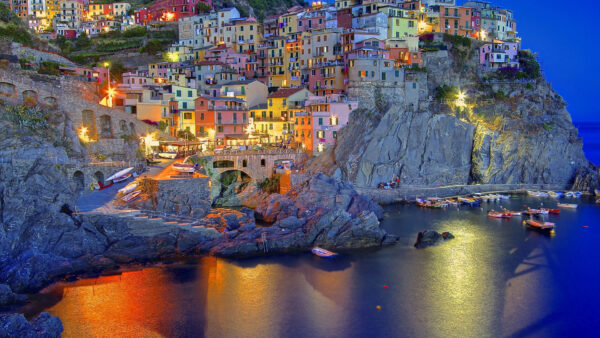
{"type": "Point", "coordinates": [258, 164]}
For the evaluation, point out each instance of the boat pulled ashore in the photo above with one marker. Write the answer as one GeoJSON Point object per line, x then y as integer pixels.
{"type": "Point", "coordinates": [323, 252]}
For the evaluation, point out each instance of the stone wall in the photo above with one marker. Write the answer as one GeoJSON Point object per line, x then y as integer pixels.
{"type": "Point", "coordinates": [75, 98]}
{"type": "Point", "coordinates": [185, 197]}
{"type": "Point", "coordinates": [39, 56]}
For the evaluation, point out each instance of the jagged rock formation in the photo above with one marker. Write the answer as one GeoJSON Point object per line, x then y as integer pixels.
{"type": "Point", "coordinates": [44, 325]}
{"type": "Point", "coordinates": [41, 238]}
{"type": "Point", "coordinates": [524, 135]}
{"type": "Point", "coordinates": [430, 238]}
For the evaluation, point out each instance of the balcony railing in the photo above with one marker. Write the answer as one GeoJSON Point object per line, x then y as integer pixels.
{"type": "Point", "coordinates": [232, 122]}
{"type": "Point", "coordinates": [227, 108]}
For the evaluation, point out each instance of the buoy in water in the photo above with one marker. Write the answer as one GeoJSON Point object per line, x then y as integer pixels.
{"type": "Point", "coordinates": [378, 307]}
{"type": "Point", "coordinates": [385, 286]}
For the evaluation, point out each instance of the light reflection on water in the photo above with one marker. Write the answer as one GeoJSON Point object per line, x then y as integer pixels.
{"type": "Point", "coordinates": [497, 278]}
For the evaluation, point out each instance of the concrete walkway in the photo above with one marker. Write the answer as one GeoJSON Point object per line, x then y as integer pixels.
{"type": "Point", "coordinates": [101, 201]}
{"type": "Point", "coordinates": [405, 193]}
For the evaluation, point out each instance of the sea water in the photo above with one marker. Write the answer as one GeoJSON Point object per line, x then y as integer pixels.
{"type": "Point", "coordinates": [496, 278]}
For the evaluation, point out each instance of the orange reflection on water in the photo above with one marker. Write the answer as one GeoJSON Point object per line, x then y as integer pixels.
{"type": "Point", "coordinates": [128, 302]}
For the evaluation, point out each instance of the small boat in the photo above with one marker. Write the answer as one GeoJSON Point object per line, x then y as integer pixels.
{"type": "Point", "coordinates": [556, 194]}
{"type": "Point", "coordinates": [537, 193]}
{"type": "Point", "coordinates": [168, 154]}
{"type": "Point", "coordinates": [131, 196]}
{"type": "Point", "coordinates": [551, 211]}
{"type": "Point", "coordinates": [577, 194]}
{"type": "Point", "coordinates": [504, 197]}
{"type": "Point", "coordinates": [597, 192]}
{"type": "Point", "coordinates": [121, 178]}
{"type": "Point", "coordinates": [128, 188]}
{"type": "Point", "coordinates": [544, 226]}
{"type": "Point", "coordinates": [499, 214]}
{"type": "Point", "coordinates": [598, 201]}
{"type": "Point", "coordinates": [569, 194]}
{"type": "Point", "coordinates": [468, 201]}
{"type": "Point", "coordinates": [184, 167]}
{"type": "Point", "coordinates": [567, 206]}
{"type": "Point", "coordinates": [532, 212]}
{"type": "Point", "coordinates": [515, 213]}
{"type": "Point", "coordinates": [120, 174]}
{"type": "Point", "coordinates": [322, 252]}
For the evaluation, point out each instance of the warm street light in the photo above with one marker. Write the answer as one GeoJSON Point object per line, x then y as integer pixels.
{"type": "Point", "coordinates": [482, 34]}
{"type": "Point", "coordinates": [83, 136]}
{"type": "Point", "coordinates": [460, 99]}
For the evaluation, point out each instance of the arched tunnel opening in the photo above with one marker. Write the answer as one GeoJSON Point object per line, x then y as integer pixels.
{"type": "Point", "coordinates": [232, 183]}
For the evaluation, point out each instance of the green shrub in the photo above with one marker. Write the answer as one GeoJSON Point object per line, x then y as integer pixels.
{"type": "Point", "coordinates": [457, 41]}
{"type": "Point", "coordinates": [16, 33]}
{"type": "Point", "coordinates": [499, 95]}
{"type": "Point", "coordinates": [135, 32]}
{"type": "Point", "coordinates": [49, 68]}
{"type": "Point", "coordinates": [171, 35]}
{"type": "Point", "coordinates": [445, 92]}
{"type": "Point", "coordinates": [152, 47]}
{"type": "Point", "coordinates": [82, 41]}
{"type": "Point", "coordinates": [529, 64]}
{"type": "Point", "coordinates": [549, 126]}
{"type": "Point", "coordinates": [269, 185]}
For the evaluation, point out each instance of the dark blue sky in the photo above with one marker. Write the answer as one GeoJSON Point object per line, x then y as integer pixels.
{"type": "Point", "coordinates": [564, 35]}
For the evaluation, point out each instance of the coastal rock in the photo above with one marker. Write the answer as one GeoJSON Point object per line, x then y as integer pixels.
{"type": "Point", "coordinates": [44, 325]}
{"type": "Point", "coordinates": [429, 238]}
{"type": "Point", "coordinates": [9, 298]}
{"type": "Point", "coordinates": [587, 180]}
{"type": "Point", "coordinates": [526, 138]}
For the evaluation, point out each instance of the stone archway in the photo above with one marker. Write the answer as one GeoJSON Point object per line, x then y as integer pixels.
{"type": "Point", "coordinates": [50, 101]}
{"type": "Point", "coordinates": [123, 127]}
{"type": "Point", "coordinates": [99, 176]}
{"type": "Point", "coordinates": [223, 164]}
{"type": "Point", "coordinates": [8, 89]}
{"type": "Point", "coordinates": [106, 130]}
{"type": "Point", "coordinates": [30, 97]}
{"type": "Point", "coordinates": [79, 180]}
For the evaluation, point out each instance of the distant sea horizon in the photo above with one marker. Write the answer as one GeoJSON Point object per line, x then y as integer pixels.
{"type": "Point", "coordinates": [589, 131]}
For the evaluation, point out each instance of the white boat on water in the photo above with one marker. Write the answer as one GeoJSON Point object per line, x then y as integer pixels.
{"type": "Point", "coordinates": [167, 154]}
{"type": "Point", "coordinates": [322, 252]}
{"type": "Point", "coordinates": [128, 188]}
{"type": "Point", "coordinates": [567, 206]}
{"type": "Point", "coordinates": [118, 176]}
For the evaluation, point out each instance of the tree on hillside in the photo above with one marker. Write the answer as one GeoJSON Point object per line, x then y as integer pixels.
{"type": "Point", "coordinates": [82, 41]}
{"type": "Point", "coordinates": [201, 7]}
{"type": "Point", "coordinates": [116, 70]}
{"type": "Point", "coordinates": [152, 47]}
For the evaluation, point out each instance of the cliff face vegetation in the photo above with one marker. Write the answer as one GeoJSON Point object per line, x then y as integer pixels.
{"type": "Point", "coordinates": [501, 128]}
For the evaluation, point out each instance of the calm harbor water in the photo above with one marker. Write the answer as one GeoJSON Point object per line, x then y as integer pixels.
{"type": "Point", "coordinates": [496, 278]}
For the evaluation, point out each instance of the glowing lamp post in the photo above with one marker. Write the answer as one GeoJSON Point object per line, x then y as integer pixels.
{"type": "Point", "coordinates": [83, 136]}
{"type": "Point", "coordinates": [482, 34]}
{"type": "Point", "coordinates": [460, 99]}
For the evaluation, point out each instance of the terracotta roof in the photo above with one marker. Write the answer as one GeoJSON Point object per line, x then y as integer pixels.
{"type": "Point", "coordinates": [285, 92]}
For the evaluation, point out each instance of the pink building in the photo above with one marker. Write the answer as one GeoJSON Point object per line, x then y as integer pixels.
{"type": "Point", "coordinates": [499, 54]}
{"type": "Point", "coordinates": [311, 20]}
{"type": "Point", "coordinates": [329, 114]}
{"type": "Point", "coordinates": [141, 16]}
{"type": "Point", "coordinates": [172, 10]}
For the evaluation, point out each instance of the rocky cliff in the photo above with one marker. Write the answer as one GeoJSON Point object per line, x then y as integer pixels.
{"type": "Point", "coordinates": [42, 239]}
{"type": "Point", "coordinates": [504, 131]}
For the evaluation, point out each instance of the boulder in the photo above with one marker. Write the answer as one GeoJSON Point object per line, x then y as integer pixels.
{"type": "Point", "coordinates": [9, 298]}
{"type": "Point", "coordinates": [44, 325]}
{"type": "Point", "coordinates": [429, 237]}
{"type": "Point", "coordinates": [291, 222]}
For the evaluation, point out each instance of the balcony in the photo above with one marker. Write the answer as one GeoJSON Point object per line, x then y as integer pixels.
{"type": "Point", "coordinates": [236, 123]}
{"type": "Point", "coordinates": [227, 108]}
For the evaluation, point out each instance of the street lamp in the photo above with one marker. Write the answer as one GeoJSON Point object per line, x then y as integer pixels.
{"type": "Point", "coordinates": [460, 99]}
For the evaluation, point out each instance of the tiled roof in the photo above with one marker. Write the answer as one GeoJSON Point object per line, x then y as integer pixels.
{"type": "Point", "coordinates": [284, 92]}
